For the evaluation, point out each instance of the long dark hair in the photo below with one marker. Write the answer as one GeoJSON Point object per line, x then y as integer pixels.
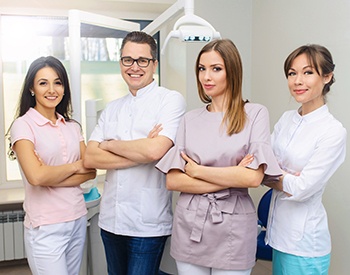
{"type": "Point", "coordinates": [27, 101]}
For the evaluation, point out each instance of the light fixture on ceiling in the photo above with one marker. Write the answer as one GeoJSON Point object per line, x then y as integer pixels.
{"type": "Point", "coordinates": [188, 28]}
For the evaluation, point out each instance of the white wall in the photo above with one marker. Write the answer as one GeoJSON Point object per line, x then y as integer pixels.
{"type": "Point", "coordinates": [265, 32]}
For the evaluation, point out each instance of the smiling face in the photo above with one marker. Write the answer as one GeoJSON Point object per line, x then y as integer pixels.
{"type": "Point", "coordinates": [306, 85]}
{"type": "Point", "coordinates": [135, 76]}
{"type": "Point", "coordinates": [48, 90]}
{"type": "Point", "coordinates": [212, 74]}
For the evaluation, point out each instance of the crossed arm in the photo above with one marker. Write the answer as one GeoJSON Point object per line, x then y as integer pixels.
{"type": "Point", "coordinates": [120, 154]}
{"type": "Point", "coordinates": [278, 185]}
{"type": "Point", "coordinates": [199, 179]}
{"type": "Point", "coordinates": [39, 174]}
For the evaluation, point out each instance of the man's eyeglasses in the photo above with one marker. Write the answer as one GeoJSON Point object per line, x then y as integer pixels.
{"type": "Point", "coordinates": [142, 62]}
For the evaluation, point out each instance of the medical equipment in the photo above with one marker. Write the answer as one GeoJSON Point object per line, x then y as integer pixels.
{"type": "Point", "coordinates": [188, 28]}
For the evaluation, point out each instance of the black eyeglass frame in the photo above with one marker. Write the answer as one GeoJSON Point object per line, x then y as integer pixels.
{"type": "Point", "coordinates": [137, 61]}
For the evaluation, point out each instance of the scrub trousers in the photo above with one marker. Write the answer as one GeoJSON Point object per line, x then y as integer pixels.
{"type": "Point", "coordinates": [289, 264]}
{"type": "Point", "coordinates": [56, 249]}
{"type": "Point", "coordinates": [191, 269]}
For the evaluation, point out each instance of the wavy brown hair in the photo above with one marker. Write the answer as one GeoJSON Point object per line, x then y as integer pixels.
{"type": "Point", "coordinates": [319, 58]}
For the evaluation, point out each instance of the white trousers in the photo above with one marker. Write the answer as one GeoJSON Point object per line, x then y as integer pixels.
{"type": "Point", "coordinates": [191, 269]}
{"type": "Point", "coordinates": [56, 249]}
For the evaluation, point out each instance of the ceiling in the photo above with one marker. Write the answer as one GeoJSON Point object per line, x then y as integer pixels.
{"type": "Point", "coordinates": [132, 9]}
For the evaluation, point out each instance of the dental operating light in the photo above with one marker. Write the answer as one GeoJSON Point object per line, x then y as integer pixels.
{"type": "Point", "coordinates": [188, 28]}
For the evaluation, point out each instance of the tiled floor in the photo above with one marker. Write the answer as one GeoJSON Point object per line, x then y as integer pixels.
{"type": "Point", "coordinates": [21, 268]}
{"type": "Point", "coordinates": [262, 268]}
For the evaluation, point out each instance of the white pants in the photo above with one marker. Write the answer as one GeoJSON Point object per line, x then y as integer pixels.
{"type": "Point", "coordinates": [56, 249]}
{"type": "Point", "coordinates": [191, 269]}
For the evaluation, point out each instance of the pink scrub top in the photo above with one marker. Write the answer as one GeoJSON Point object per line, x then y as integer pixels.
{"type": "Point", "coordinates": [56, 144]}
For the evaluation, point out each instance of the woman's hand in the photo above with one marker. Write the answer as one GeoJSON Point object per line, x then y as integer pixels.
{"type": "Point", "coordinates": [278, 185]}
{"type": "Point", "coordinates": [191, 167]}
{"type": "Point", "coordinates": [39, 158]}
{"type": "Point", "coordinates": [248, 159]}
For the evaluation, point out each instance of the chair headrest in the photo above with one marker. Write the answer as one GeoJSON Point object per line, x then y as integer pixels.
{"type": "Point", "coordinates": [264, 206]}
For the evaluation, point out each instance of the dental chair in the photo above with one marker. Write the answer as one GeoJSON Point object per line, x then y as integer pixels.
{"type": "Point", "coordinates": [263, 252]}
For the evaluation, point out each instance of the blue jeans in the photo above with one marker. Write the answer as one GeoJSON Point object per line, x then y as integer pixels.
{"type": "Point", "coordinates": [132, 255]}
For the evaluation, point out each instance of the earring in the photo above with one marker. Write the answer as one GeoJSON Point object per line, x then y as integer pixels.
{"type": "Point", "coordinates": [32, 93]}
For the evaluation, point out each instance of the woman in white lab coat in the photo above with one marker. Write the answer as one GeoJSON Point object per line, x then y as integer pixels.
{"type": "Point", "coordinates": [309, 144]}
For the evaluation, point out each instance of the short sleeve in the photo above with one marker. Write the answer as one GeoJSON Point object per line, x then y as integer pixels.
{"type": "Point", "coordinates": [173, 109]}
{"type": "Point", "coordinates": [97, 133]}
{"type": "Point", "coordinates": [172, 159]}
{"type": "Point", "coordinates": [260, 144]}
{"type": "Point", "coordinates": [21, 130]}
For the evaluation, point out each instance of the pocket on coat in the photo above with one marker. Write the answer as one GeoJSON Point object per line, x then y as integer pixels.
{"type": "Point", "coordinates": [156, 205]}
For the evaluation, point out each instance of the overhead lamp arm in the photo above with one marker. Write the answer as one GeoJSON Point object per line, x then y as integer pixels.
{"type": "Point", "coordinates": [168, 14]}
{"type": "Point", "coordinates": [189, 28]}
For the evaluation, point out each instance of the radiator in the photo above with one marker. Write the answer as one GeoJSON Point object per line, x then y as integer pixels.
{"type": "Point", "coordinates": [11, 235]}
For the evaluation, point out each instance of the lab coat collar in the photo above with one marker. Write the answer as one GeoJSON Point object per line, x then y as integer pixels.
{"type": "Point", "coordinates": [315, 115]}
{"type": "Point", "coordinates": [145, 89]}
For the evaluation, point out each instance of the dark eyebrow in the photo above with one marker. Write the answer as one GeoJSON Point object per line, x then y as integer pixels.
{"type": "Point", "coordinates": [304, 68]}
{"type": "Point", "coordinates": [127, 56]}
{"type": "Point", "coordinates": [308, 67]}
{"type": "Point", "coordinates": [42, 79]}
{"type": "Point", "coordinates": [45, 79]}
{"type": "Point", "coordinates": [212, 65]}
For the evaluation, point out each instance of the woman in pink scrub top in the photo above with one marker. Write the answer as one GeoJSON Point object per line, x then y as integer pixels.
{"type": "Point", "coordinates": [49, 146]}
{"type": "Point", "coordinates": [215, 222]}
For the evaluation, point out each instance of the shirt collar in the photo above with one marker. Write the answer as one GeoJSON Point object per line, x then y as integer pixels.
{"type": "Point", "coordinates": [40, 119]}
{"type": "Point", "coordinates": [145, 89]}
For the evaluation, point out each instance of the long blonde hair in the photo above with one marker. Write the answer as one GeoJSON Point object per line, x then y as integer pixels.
{"type": "Point", "coordinates": [235, 116]}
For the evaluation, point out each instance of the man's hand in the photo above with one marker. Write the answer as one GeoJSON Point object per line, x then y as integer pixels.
{"type": "Point", "coordinates": [155, 131]}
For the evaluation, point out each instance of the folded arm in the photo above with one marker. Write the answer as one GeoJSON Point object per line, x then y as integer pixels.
{"type": "Point", "coordinates": [105, 155]}
{"type": "Point", "coordinates": [177, 180]}
{"type": "Point", "coordinates": [143, 150]}
{"type": "Point", "coordinates": [278, 185]}
{"type": "Point", "coordinates": [96, 157]}
{"type": "Point", "coordinates": [231, 176]}
{"type": "Point", "coordinates": [198, 179]}
{"type": "Point", "coordinates": [39, 174]}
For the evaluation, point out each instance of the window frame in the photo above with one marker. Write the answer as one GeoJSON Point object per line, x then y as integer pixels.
{"type": "Point", "coordinates": [74, 81]}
